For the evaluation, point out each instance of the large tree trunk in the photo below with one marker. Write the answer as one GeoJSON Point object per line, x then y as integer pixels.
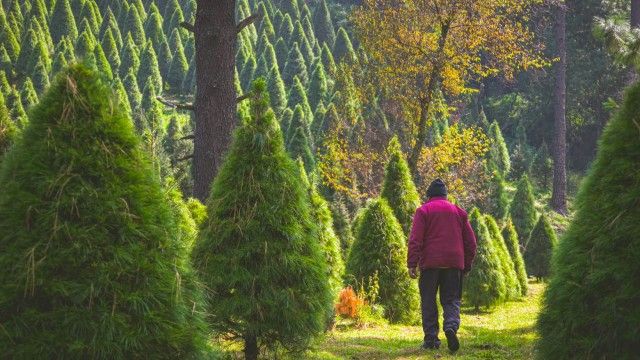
{"type": "Point", "coordinates": [215, 102]}
{"type": "Point", "coordinates": [251, 350]}
{"type": "Point", "coordinates": [559, 197]}
{"type": "Point", "coordinates": [635, 13]}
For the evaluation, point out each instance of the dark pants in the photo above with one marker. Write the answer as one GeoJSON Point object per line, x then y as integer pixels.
{"type": "Point", "coordinates": [449, 281]}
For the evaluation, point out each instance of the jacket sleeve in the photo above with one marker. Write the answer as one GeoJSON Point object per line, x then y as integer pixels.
{"type": "Point", "coordinates": [469, 242]}
{"type": "Point", "coordinates": [416, 238]}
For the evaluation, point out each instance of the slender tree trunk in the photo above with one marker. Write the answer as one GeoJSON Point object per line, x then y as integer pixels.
{"type": "Point", "coordinates": [425, 104]}
{"type": "Point", "coordinates": [559, 196]}
{"type": "Point", "coordinates": [635, 13]}
{"type": "Point", "coordinates": [215, 103]}
{"type": "Point", "coordinates": [251, 347]}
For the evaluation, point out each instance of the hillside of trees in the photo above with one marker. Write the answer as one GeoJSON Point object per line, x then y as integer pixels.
{"type": "Point", "coordinates": [174, 122]}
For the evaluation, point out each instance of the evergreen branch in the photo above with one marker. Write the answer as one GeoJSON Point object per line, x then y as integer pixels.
{"type": "Point", "coordinates": [187, 26]}
{"type": "Point", "coordinates": [247, 21]}
{"type": "Point", "coordinates": [176, 105]}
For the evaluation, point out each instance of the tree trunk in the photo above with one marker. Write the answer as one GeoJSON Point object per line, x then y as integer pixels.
{"type": "Point", "coordinates": [635, 13]}
{"type": "Point", "coordinates": [251, 347]}
{"type": "Point", "coordinates": [215, 103]}
{"type": "Point", "coordinates": [425, 105]}
{"type": "Point", "coordinates": [559, 196]}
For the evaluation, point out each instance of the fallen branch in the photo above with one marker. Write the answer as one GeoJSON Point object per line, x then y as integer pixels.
{"type": "Point", "coordinates": [187, 26]}
{"type": "Point", "coordinates": [176, 105]}
{"type": "Point", "coordinates": [188, 137]}
{"type": "Point", "coordinates": [247, 21]}
{"type": "Point", "coordinates": [243, 97]}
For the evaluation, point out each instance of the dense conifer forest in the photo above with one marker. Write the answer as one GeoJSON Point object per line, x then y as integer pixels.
{"type": "Point", "coordinates": [214, 179]}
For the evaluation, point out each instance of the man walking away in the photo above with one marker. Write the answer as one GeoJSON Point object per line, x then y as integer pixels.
{"type": "Point", "coordinates": [442, 245]}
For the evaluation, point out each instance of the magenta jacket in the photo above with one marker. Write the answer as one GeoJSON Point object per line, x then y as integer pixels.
{"type": "Point", "coordinates": [441, 237]}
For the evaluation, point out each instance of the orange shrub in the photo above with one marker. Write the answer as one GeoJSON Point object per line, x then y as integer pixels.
{"type": "Point", "coordinates": [349, 303]}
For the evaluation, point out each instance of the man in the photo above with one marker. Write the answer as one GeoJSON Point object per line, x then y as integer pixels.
{"type": "Point", "coordinates": [442, 245]}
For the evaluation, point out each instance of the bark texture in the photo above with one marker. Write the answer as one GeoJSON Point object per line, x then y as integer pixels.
{"type": "Point", "coordinates": [215, 104]}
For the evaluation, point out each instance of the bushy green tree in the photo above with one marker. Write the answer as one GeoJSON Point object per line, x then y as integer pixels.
{"type": "Point", "coordinates": [295, 66]}
{"type": "Point", "coordinates": [497, 197]}
{"type": "Point", "coordinates": [248, 72]}
{"type": "Point", "coordinates": [179, 64]}
{"type": "Point", "coordinates": [398, 187]}
{"type": "Point", "coordinates": [590, 308]}
{"type": "Point", "coordinates": [328, 60]}
{"type": "Point", "coordinates": [327, 237]}
{"type": "Point", "coordinates": [134, 26]}
{"type": "Point", "coordinates": [300, 146]}
{"type": "Point", "coordinates": [110, 48]}
{"type": "Point", "coordinates": [510, 237]}
{"type": "Point", "coordinates": [498, 152]}
{"type": "Point", "coordinates": [8, 129]}
{"type": "Point", "coordinates": [300, 37]}
{"type": "Point", "coordinates": [130, 59]}
{"type": "Point", "coordinates": [485, 285]}
{"type": "Point", "coordinates": [537, 255]}
{"type": "Point", "coordinates": [511, 282]}
{"type": "Point", "coordinates": [342, 224]}
{"type": "Point", "coordinates": [255, 237]}
{"type": "Point", "coordinates": [542, 168]}
{"type": "Point", "coordinates": [104, 268]}
{"type": "Point", "coordinates": [28, 94]}
{"type": "Point", "coordinates": [298, 96]}
{"type": "Point", "coordinates": [277, 91]}
{"type": "Point", "coordinates": [318, 87]}
{"type": "Point", "coordinates": [62, 22]}
{"type": "Point", "coordinates": [343, 48]}
{"type": "Point", "coordinates": [282, 52]}
{"type": "Point", "coordinates": [101, 61]}
{"type": "Point", "coordinates": [149, 68]}
{"type": "Point", "coordinates": [523, 211]}
{"type": "Point", "coordinates": [323, 24]}
{"type": "Point", "coordinates": [290, 7]}
{"type": "Point", "coordinates": [380, 250]}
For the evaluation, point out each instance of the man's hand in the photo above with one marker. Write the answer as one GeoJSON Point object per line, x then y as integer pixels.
{"type": "Point", "coordinates": [413, 273]}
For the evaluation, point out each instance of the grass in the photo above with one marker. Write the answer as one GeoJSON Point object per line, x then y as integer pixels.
{"type": "Point", "coordinates": [508, 332]}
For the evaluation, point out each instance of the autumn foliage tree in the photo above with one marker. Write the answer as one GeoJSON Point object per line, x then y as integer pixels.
{"type": "Point", "coordinates": [417, 47]}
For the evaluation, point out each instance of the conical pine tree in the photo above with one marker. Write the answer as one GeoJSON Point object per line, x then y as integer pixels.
{"type": "Point", "coordinates": [130, 58]}
{"type": "Point", "coordinates": [240, 256]}
{"type": "Point", "coordinates": [485, 284]}
{"type": "Point", "coordinates": [342, 224]}
{"type": "Point", "coordinates": [398, 187]}
{"type": "Point", "coordinates": [149, 68]}
{"type": "Point", "coordinates": [298, 96]}
{"type": "Point", "coordinates": [62, 22]}
{"type": "Point", "coordinates": [323, 24]}
{"type": "Point", "coordinates": [330, 243]}
{"type": "Point", "coordinates": [510, 237]}
{"type": "Point", "coordinates": [179, 65]}
{"type": "Point", "coordinates": [380, 251]}
{"type": "Point", "coordinates": [107, 269]}
{"type": "Point", "coordinates": [590, 307]}
{"type": "Point", "coordinates": [134, 27]}
{"type": "Point", "coordinates": [511, 282]}
{"type": "Point", "coordinates": [295, 66]}
{"type": "Point", "coordinates": [277, 91]}
{"type": "Point", "coordinates": [522, 210]}
{"type": "Point", "coordinates": [498, 152]}
{"type": "Point", "coordinates": [8, 129]}
{"type": "Point", "coordinates": [537, 256]}
{"type": "Point", "coordinates": [318, 87]}
{"type": "Point", "coordinates": [299, 146]}
{"type": "Point", "coordinates": [343, 48]}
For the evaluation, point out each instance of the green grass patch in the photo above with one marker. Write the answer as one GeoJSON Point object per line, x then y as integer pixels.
{"type": "Point", "coordinates": [507, 332]}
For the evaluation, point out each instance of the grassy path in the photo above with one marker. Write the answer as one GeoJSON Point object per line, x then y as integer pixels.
{"type": "Point", "coordinates": [506, 333]}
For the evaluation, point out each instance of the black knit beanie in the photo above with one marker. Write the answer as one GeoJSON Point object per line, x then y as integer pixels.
{"type": "Point", "coordinates": [437, 188]}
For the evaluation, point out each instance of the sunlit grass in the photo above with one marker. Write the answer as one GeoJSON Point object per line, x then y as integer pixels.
{"type": "Point", "coordinates": [508, 332]}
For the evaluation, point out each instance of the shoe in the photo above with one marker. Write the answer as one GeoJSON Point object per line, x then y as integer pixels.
{"type": "Point", "coordinates": [452, 340]}
{"type": "Point", "coordinates": [430, 345]}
